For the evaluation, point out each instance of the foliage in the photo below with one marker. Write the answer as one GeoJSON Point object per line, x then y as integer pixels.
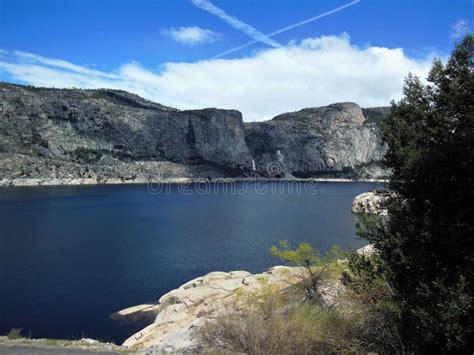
{"type": "Point", "coordinates": [370, 298]}
{"type": "Point", "coordinates": [426, 244]}
{"type": "Point", "coordinates": [376, 115]}
{"type": "Point", "coordinates": [15, 333]}
{"type": "Point", "coordinates": [269, 322]}
{"type": "Point", "coordinates": [318, 267]}
{"type": "Point", "coordinates": [280, 322]}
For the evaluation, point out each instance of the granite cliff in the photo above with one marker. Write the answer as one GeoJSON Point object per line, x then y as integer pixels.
{"type": "Point", "coordinates": [333, 140]}
{"type": "Point", "coordinates": [109, 136]}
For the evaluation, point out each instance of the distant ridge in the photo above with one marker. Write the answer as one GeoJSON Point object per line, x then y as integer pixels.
{"type": "Point", "coordinates": [112, 136]}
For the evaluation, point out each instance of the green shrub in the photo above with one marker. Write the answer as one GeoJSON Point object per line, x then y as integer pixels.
{"type": "Point", "coordinates": [371, 305]}
{"type": "Point", "coordinates": [15, 333]}
{"type": "Point", "coordinates": [318, 267]}
{"type": "Point", "coordinates": [363, 317]}
{"type": "Point", "coordinates": [270, 323]}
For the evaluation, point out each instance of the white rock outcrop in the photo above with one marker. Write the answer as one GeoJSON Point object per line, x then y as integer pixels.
{"type": "Point", "coordinates": [370, 202]}
{"type": "Point", "coordinates": [182, 311]}
{"type": "Point", "coordinates": [179, 314]}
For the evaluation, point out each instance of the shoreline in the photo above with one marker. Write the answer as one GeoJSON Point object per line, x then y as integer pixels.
{"type": "Point", "coordinates": [26, 345]}
{"type": "Point", "coordinates": [170, 181]}
{"type": "Point", "coordinates": [179, 314]}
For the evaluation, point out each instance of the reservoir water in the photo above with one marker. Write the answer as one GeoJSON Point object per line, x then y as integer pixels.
{"type": "Point", "coordinates": [71, 256]}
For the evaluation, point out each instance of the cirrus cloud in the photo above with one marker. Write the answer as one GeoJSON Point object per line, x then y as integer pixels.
{"type": "Point", "coordinates": [459, 29]}
{"type": "Point", "coordinates": [313, 72]}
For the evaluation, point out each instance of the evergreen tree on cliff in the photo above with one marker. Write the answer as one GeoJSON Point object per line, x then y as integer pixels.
{"type": "Point", "coordinates": [427, 242]}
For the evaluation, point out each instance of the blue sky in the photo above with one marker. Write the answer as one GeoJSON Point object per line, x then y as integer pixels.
{"type": "Point", "coordinates": [139, 44]}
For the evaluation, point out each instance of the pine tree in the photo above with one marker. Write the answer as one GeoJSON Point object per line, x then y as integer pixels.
{"type": "Point", "coordinates": [426, 243]}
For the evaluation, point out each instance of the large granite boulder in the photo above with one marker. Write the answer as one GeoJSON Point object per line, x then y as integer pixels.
{"type": "Point", "coordinates": [371, 202]}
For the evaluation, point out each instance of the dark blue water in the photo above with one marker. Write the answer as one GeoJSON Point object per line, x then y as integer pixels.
{"type": "Point", "coordinates": [71, 256]}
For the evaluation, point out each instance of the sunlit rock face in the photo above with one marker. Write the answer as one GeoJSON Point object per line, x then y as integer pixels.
{"type": "Point", "coordinates": [334, 138]}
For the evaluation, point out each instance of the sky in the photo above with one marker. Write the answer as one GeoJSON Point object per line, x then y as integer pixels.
{"type": "Point", "coordinates": [261, 57]}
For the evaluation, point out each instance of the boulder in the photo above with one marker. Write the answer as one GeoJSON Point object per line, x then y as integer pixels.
{"type": "Point", "coordinates": [370, 202]}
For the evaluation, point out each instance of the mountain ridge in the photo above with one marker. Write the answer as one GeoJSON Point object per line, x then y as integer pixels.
{"type": "Point", "coordinates": [106, 135]}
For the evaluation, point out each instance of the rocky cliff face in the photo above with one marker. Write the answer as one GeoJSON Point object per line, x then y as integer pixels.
{"type": "Point", "coordinates": [317, 141]}
{"type": "Point", "coordinates": [111, 136]}
{"type": "Point", "coordinates": [53, 133]}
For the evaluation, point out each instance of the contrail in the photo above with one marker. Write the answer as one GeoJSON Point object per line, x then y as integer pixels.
{"type": "Point", "coordinates": [233, 21]}
{"type": "Point", "coordinates": [285, 29]}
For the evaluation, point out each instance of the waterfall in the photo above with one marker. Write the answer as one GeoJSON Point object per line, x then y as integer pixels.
{"type": "Point", "coordinates": [254, 167]}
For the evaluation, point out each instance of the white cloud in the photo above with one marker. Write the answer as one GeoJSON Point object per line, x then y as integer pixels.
{"type": "Point", "coordinates": [233, 21]}
{"type": "Point", "coordinates": [459, 29]}
{"type": "Point", "coordinates": [314, 72]}
{"type": "Point", "coordinates": [191, 35]}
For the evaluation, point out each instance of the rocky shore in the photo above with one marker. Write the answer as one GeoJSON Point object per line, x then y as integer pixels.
{"type": "Point", "coordinates": [117, 181]}
{"type": "Point", "coordinates": [178, 316]}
